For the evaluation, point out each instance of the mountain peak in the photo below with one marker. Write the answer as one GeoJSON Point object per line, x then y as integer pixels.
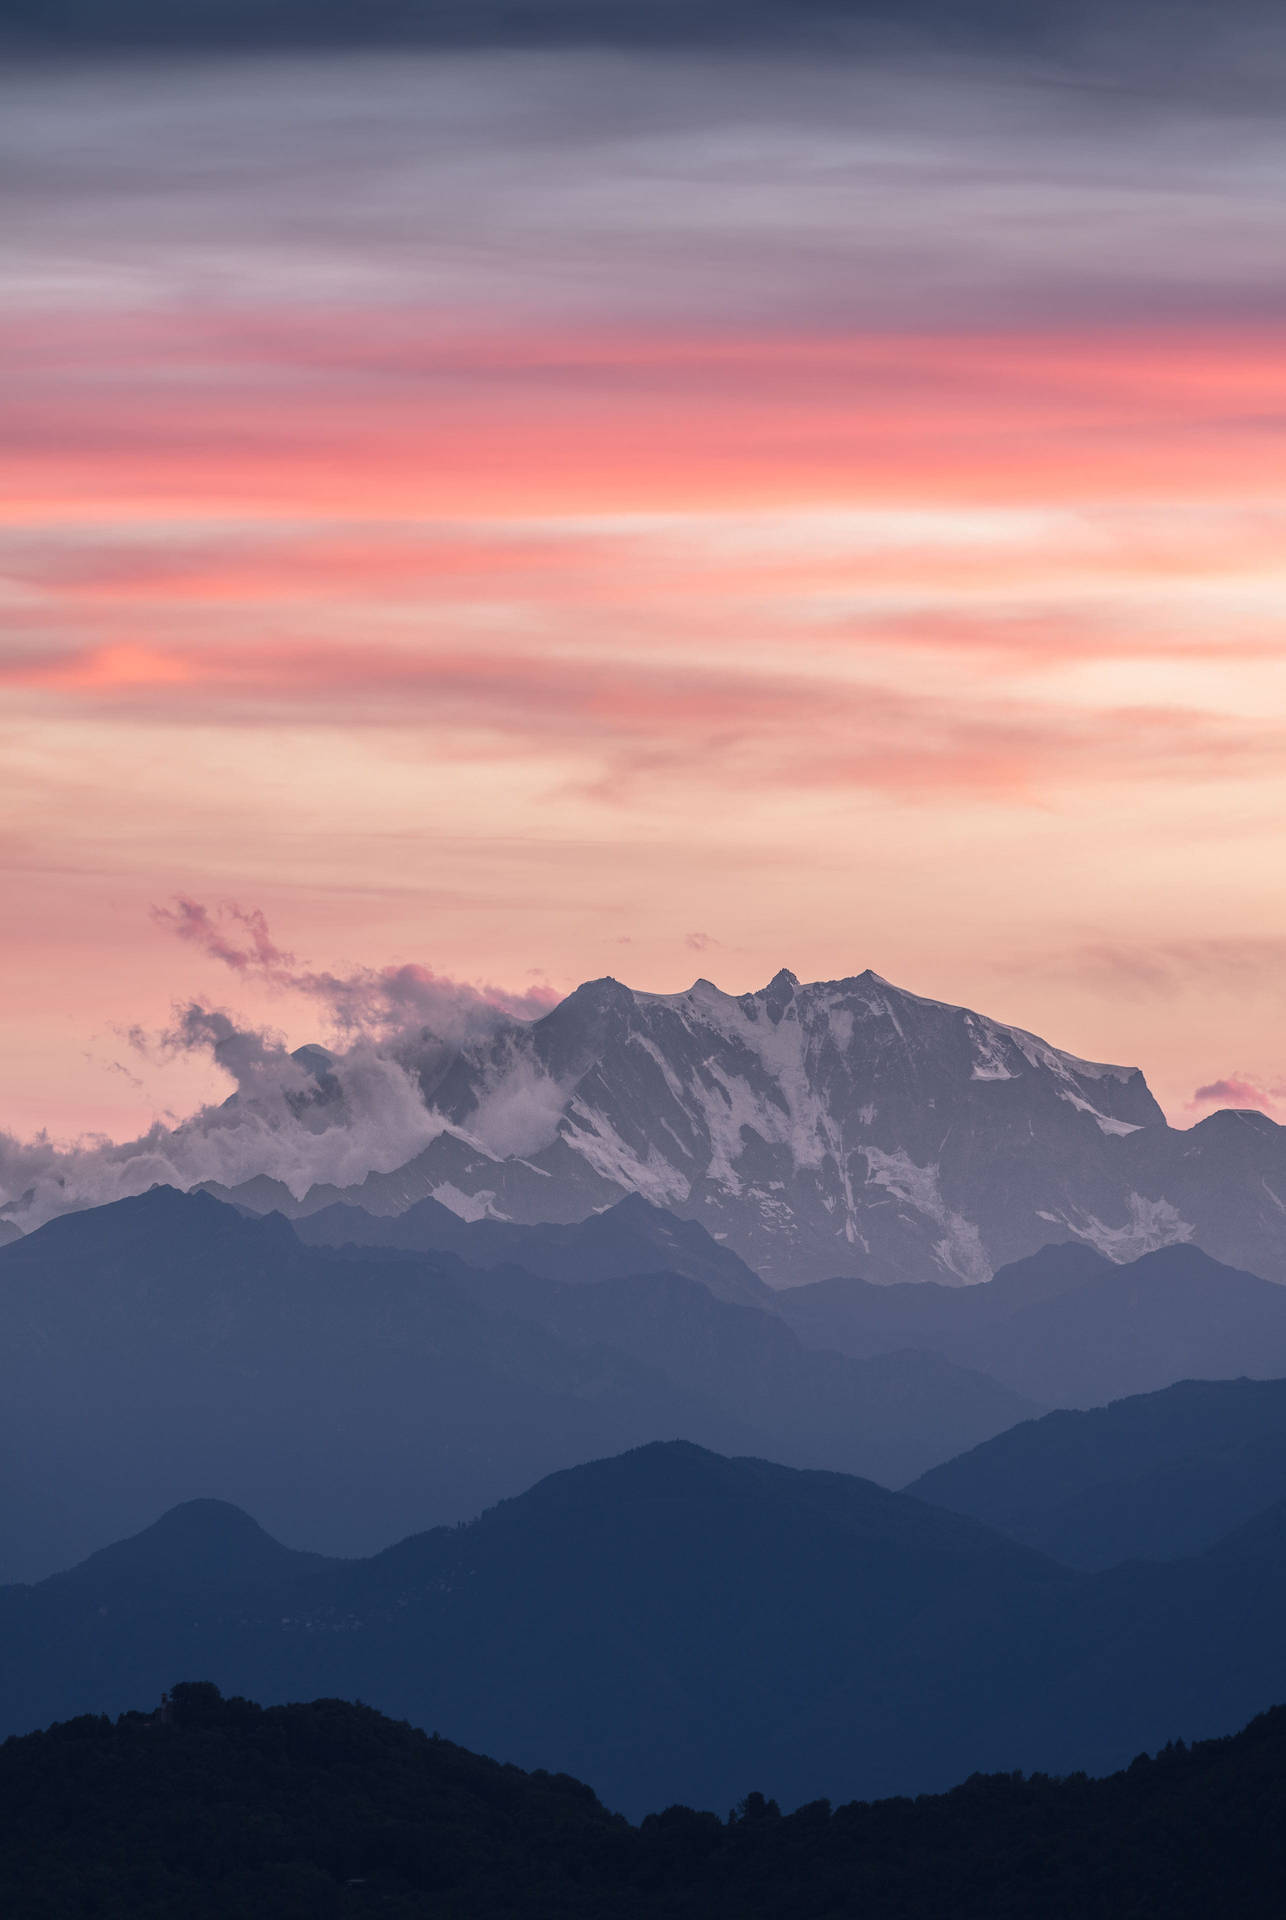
{"type": "Point", "coordinates": [607, 990]}
{"type": "Point", "coordinates": [1228, 1121]}
{"type": "Point", "coordinates": [198, 1545]}
{"type": "Point", "coordinates": [835, 1127]}
{"type": "Point", "coordinates": [812, 1128]}
{"type": "Point", "coordinates": [162, 1215]}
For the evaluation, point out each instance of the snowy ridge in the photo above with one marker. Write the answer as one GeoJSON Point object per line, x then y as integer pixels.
{"type": "Point", "coordinates": [815, 1128]}
{"type": "Point", "coordinates": [843, 1126]}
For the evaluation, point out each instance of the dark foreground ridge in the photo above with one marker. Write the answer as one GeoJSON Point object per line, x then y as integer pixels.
{"type": "Point", "coordinates": [674, 1625]}
{"type": "Point", "coordinates": [221, 1808]}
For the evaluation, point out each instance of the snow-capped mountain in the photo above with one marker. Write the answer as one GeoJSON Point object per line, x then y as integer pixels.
{"type": "Point", "coordinates": [844, 1126]}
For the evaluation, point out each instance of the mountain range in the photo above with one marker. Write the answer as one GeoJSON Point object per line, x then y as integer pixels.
{"type": "Point", "coordinates": [633, 1236]}
{"type": "Point", "coordinates": [173, 1347]}
{"type": "Point", "coordinates": [169, 1346]}
{"type": "Point", "coordinates": [842, 1127]}
{"type": "Point", "coordinates": [1153, 1477]}
{"type": "Point", "coordinates": [671, 1623]}
{"type": "Point", "coordinates": [1066, 1326]}
{"type": "Point", "coordinates": [1063, 1327]}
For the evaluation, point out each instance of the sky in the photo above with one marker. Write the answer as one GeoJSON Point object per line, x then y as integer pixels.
{"type": "Point", "coordinates": [663, 504]}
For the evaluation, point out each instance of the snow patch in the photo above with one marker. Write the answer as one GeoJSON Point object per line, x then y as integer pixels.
{"type": "Point", "coordinates": [988, 1044]}
{"type": "Point", "coordinates": [841, 1026]}
{"type": "Point", "coordinates": [1039, 1053]}
{"type": "Point", "coordinates": [798, 1118]}
{"type": "Point", "coordinates": [469, 1206]}
{"type": "Point", "coordinates": [960, 1250]}
{"type": "Point", "coordinates": [1152, 1224]}
{"type": "Point", "coordinates": [883, 1010]}
{"type": "Point", "coordinates": [593, 1136]}
{"type": "Point", "coordinates": [1104, 1120]}
{"type": "Point", "coordinates": [654, 1053]}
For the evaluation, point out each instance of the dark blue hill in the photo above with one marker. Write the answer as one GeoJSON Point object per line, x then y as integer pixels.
{"type": "Point", "coordinates": [171, 1347]}
{"type": "Point", "coordinates": [1153, 1477]}
{"type": "Point", "coordinates": [1065, 1326]}
{"type": "Point", "coordinates": [670, 1623]}
{"type": "Point", "coordinates": [631, 1237]}
{"type": "Point", "coordinates": [229, 1812]}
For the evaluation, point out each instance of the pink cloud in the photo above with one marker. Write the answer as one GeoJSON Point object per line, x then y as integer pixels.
{"type": "Point", "coordinates": [306, 407]}
{"type": "Point", "coordinates": [238, 938]}
{"type": "Point", "coordinates": [643, 721]}
{"type": "Point", "coordinates": [383, 1001]}
{"type": "Point", "coordinates": [1240, 1090]}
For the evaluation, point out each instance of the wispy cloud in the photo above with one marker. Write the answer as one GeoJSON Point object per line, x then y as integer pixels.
{"type": "Point", "coordinates": [384, 1002]}
{"type": "Point", "coordinates": [438, 476]}
{"type": "Point", "coordinates": [631, 721]}
{"type": "Point", "coordinates": [364, 1104]}
{"type": "Point", "coordinates": [1240, 1090]}
{"type": "Point", "coordinates": [1218, 964]}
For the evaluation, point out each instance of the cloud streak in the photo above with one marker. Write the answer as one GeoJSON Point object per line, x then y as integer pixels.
{"type": "Point", "coordinates": [540, 497]}
{"type": "Point", "coordinates": [626, 721]}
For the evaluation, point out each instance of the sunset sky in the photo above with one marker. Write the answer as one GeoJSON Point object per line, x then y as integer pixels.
{"type": "Point", "coordinates": [551, 512]}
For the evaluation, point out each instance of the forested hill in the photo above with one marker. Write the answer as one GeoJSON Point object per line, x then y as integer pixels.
{"type": "Point", "coordinates": [222, 1810]}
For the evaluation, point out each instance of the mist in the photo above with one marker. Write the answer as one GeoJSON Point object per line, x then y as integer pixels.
{"type": "Point", "coordinates": [313, 1114]}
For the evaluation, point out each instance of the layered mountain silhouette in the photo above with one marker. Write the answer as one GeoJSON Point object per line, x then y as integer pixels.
{"type": "Point", "coordinates": [631, 1237]}
{"type": "Point", "coordinates": [663, 1623]}
{"type": "Point", "coordinates": [840, 1127]}
{"type": "Point", "coordinates": [1153, 1477]}
{"type": "Point", "coordinates": [1066, 1326]}
{"type": "Point", "coordinates": [218, 1807]}
{"type": "Point", "coordinates": [170, 1346]}
{"type": "Point", "coordinates": [670, 1623]}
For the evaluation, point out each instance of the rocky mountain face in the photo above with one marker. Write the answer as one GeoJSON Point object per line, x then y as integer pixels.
{"type": "Point", "coordinates": [839, 1127]}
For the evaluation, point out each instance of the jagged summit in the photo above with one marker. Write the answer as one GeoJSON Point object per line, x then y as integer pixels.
{"type": "Point", "coordinates": [830, 1127]}
{"type": "Point", "coordinates": [836, 1126]}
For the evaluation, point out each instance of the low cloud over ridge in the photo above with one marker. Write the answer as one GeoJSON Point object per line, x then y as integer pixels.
{"type": "Point", "coordinates": [318, 1114]}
